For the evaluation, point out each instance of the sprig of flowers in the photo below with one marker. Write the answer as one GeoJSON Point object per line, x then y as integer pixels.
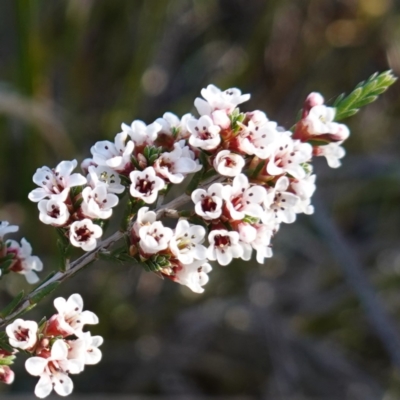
{"type": "Point", "coordinates": [249, 176]}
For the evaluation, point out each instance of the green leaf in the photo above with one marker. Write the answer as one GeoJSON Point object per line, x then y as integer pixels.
{"type": "Point", "coordinates": [42, 293]}
{"type": "Point", "coordinates": [195, 182]}
{"type": "Point", "coordinates": [365, 93]}
{"type": "Point", "coordinates": [13, 305]}
{"type": "Point", "coordinates": [9, 360]}
{"type": "Point", "coordinates": [258, 169]}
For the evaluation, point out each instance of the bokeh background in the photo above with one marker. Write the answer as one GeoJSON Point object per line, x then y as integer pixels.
{"type": "Point", "coordinates": [311, 322]}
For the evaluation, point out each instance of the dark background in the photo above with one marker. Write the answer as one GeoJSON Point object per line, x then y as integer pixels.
{"type": "Point", "coordinates": [306, 323]}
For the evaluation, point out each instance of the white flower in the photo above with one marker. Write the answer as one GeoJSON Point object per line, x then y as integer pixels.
{"type": "Point", "coordinates": [107, 176]}
{"type": "Point", "coordinates": [154, 237]}
{"type": "Point", "coordinates": [228, 164]}
{"type": "Point", "coordinates": [146, 185]}
{"type": "Point", "coordinates": [304, 188]}
{"type": "Point", "coordinates": [24, 262]}
{"type": "Point", "coordinates": [84, 234]}
{"type": "Point", "coordinates": [242, 199]}
{"type": "Point", "coordinates": [22, 334]}
{"type": "Point", "coordinates": [173, 126]}
{"type": "Point", "coordinates": [6, 228]}
{"type": "Point", "coordinates": [320, 119]}
{"type": "Point", "coordinates": [194, 275]}
{"type": "Point", "coordinates": [216, 99]}
{"type": "Point", "coordinates": [186, 242]}
{"type": "Point", "coordinates": [53, 371]}
{"type": "Point", "coordinates": [70, 318]}
{"type": "Point", "coordinates": [97, 202]}
{"type": "Point", "coordinates": [258, 136]}
{"type": "Point", "coordinates": [54, 181]}
{"type": "Point", "coordinates": [208, 203]}
{"type": "Point", "coordinates": [333, 152]}
{"type": "Point", "coordinates": [142, 134]}
{"type": "Point", "coordinates": [54, 211]}
{"type": "Point", "coordinates": [174, 166]}
{"type": "Point", "coordinates": [287, 157]}
{"type": "Point", "coordinates": [280, 204]}
{"type": "Point", "coordinates": [115, 155]}
{"type": "Point", "coordinates": [86, 348]}
{"type": "Point", "coordinates": [224, 246]}
{"type": "Point", "coordinates": [204, 134]}
{"type": "Point", "coordinates": [144, 217]}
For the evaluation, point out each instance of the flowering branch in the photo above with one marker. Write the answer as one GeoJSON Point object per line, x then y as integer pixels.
{"type": "Point", "coordinates": [249, 176]}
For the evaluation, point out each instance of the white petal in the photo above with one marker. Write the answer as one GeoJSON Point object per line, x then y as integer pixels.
{"type": "Point", "coordinates": [36, 365]}
{"type": "Point", "coordinates": [64, 385]}
{"type": "Point", "coordinates": [59, 351]}
{"type": "Point", "coordinates": [44, 387]}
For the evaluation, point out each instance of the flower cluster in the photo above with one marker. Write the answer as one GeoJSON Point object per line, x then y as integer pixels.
{"type": "Point", "coordinates": [17, 257]}
{"type": "Point", "coordinates": [268, 181]}
{"type": "Point", "coordinates": [57, 347]}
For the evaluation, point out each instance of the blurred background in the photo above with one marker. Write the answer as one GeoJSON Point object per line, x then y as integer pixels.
{"type": "Point", "coordinates": [311, 322]}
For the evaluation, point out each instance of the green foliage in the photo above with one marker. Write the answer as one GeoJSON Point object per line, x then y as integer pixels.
{"type": "Point", "coordinates": [152, 153]}
{"type": "Point", "coordinates": [156, 263]}
{"type": "Point", "coordinates": [12, 305]}
{"type": "Point", "coordinates": [236, 119]}
{"type": "Point", "coordinates": [365, 93]}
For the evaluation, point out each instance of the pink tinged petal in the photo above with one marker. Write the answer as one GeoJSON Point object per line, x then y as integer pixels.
{"type": "Point", "coordinates": [202, 107]}
{"type": "Point", "coordinates": [282, 184]}
{"type": "Point", "coordinates": [224, 258]}
{"type": "Point", "coordinates": [76, 180]}
{"type": "Point", "coordinates": [59, 351]}
{"type": "Point", "coordinates": [93, 356]}
{"type": "Point", "coordinates": [60, 305]}
{"type": "Point", "coordinates": [44, 387]}
{"type": "Point", "coordinates": [63, 384]}
{"type": "Point", "coordinates": [36, 365]}
{"type": "Point", "coordinates": [220, 118]}
{"type": "Point", "coordinates": [272, 169]}
{"type": "Point", "coordinates": [38, 194]}
{"type": "Point", "coordinates": [88, 317]}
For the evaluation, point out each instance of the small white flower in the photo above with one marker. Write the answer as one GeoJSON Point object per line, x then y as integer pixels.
{"type": "Point", "coordinates": [204, 134]}
{"type": "Point", "coordinates": [186, 242]}
{"type": "Point", "coordinates": [86, 349]}
{"type": "Point", "coordinates": [194, 275]}
{"type": "Point", "coordinates": [22, 334]}
{"type": "Point", "coordinates": [259, 135]}
{"type": "Point", "coordinates": [304, 188]}
{"type": "Point", "coordinates": [216, 99]}
{"type": "Point", "coordinates": [224, 246]}
{"type": "Point", "coordinates": [107, 176]}
{"type": "Point", "coordinates": [174, 166]}
{"type": "Point", "coordinates": [146, 185]}
{"type": "Point", "coordinates": [53, 371]}
{"type": "Point", "coordinates": [142, 134]}
{"type": "Point", "coordinates": [54, 211]}
{"type": "Point", "coordinates": [24, 262]}
{"type": "Point", "coordinates": [287, 157]}
{"type": "Point", "coordinates": [70, 318]}
{"type": "Point", "coordinates": [173, 126]}
{"type": "Point", "coordinates": [84, 234]}
{"type": "Point", "coordinates": [144, 217]}
{"type": "Point", "coordinates": [154, 237]}
{"type": "Point", "coordinates": [54, 181]}
{"type": "Point", "coordinates": [280, 204]}
{"type": "Point", "coordinates": [97, 202]}
{"type": "Point", "coordinates": [6, 228]}
{"type": "Point", "coordinates": [333, 152]}
{"type": "Point", "coordinates": [115, 155]}
{"type": "Point", "coordinates": [208, 203]}
{"type": "Point", "coordinates": [242, 199]}
{"type": "Point", "coordinates": [228, 164]}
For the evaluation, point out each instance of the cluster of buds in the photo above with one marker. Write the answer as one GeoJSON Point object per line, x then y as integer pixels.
{"type": "Point", "coordinates": [17, 257]}
{"type": "Point", "coordinates": [56, 347]}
